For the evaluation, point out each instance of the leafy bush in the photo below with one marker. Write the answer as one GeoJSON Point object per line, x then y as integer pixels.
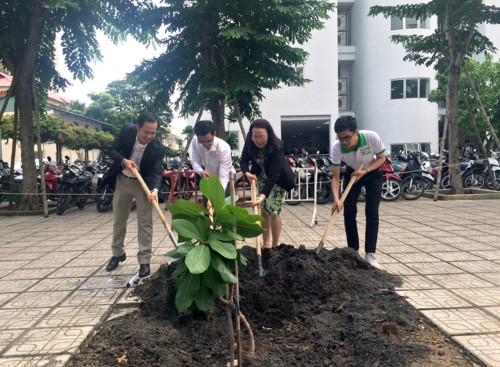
{"type": "Point", "coordinates": [208, 255]}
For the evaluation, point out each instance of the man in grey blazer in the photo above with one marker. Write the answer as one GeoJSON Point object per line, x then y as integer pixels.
{"type": "Point", "coordinates": [135, 147]}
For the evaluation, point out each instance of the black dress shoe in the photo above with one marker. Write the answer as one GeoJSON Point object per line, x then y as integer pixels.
{"type": "Point", "coordinates": [144, 270]}
{"type": "Point", "coordinates": [115, 260]}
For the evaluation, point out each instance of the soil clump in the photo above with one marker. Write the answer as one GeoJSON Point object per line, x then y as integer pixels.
{"type": "Point", "coordinates": [331, 309]}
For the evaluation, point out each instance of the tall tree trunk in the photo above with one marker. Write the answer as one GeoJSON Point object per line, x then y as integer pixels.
{"type": "Point", "coordinates": [456, 57]}
{"type": "Point", "coordinates": [217, 108]}
{"type": "Point", "coordinates": [25, 76]}
{"type": "Point", "coordinates": [456, 186]}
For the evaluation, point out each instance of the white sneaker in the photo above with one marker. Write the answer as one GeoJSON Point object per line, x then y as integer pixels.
{"type": "Point", "coordinates": [370, 258]}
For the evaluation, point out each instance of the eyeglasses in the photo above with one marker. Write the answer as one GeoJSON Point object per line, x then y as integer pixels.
{"type": "Point", "coordinates": [259, 138]}
{"type": "Point", "coordinates": [346, 138]}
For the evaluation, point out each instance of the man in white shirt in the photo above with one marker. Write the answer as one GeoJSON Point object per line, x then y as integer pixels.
{"type": "Point", "coordinates": [211, 155]}
{"type": "Point", "coordinates": [356, 147]}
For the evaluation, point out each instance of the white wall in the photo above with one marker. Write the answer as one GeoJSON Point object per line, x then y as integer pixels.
{"type": "Point", "coordinates": [378, 61]}
{"type": "Point", "coordinates": [319, 97]}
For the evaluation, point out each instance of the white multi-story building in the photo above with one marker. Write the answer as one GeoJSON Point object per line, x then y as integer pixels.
{"type": "Point", "coordinates": [361, 72]}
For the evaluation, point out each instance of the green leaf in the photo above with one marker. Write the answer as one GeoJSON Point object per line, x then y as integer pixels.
{"type": "Point", "coordinates": [213, 280]}
{"type": "Point", "coordinates": [187, 208]}
{"type": "Point", "coordinates": [242, 259]}
{"type": "Point", "coordinates": [249, 230]}
{"type": "Point", "coordinates": [188, 229]}
{"type": "Point", "coordinates": [203, 298]}
{"type": "Point", "coordinates": [198, 259]}
{"type": "Point", "coordinates": [225, 249]}
{"type": "Point", "coordinates": [188, 286]}
{"type": "Point", "coordinates": [225, 273]}
{"type": "Point", "coordinates": [180, 269]}
{"type": "Point", "coordinates": [226, 236]}
{"type": "Point", "coordinates": [214, 192]}
{"type": "Point", "coordinates": [226, 219]}
{"type": "Point", "coordinates": [180, 251]}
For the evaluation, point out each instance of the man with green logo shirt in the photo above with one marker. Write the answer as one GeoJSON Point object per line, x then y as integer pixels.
{"type": "Point", "coordinates": [356, 147]}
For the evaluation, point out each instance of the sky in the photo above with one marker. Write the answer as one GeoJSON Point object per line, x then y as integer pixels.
{"type": "Point", "coordinates": [118, 60]}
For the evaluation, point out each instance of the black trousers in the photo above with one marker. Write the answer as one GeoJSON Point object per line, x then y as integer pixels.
{"type": "Point", "coordinates": [373, 184]}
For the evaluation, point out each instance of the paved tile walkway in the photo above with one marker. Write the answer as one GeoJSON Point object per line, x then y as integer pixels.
{"type": "Point", "coordinates": [55, 290]}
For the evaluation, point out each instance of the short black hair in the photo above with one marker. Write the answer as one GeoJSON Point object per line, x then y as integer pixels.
{"type": "Point", "coordinates": [204, 127]}
{"type": "Point", "coordinates": [344, 123]}
{"type": "Point", "coordinates": [148, 117]}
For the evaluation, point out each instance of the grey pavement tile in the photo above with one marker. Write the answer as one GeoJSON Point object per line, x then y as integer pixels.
{"type": "Point", "coordinates": [414, 257]}
{"type": "Point", "coordinates": [433, 299]}
{"type": "Point", "coordinates": [28, 300]}
{"type": "Point", "coordinates": [21, 318]}
{"type": "Point", "coordinates": [53, 285]}
{"type": "Point", "coordinates": [434, 246]}
{"type": "Point", "coordinates": [485, 346]}
{"type": "Point", "coordinates": [53, 360]}
{"type": "Point", "coordinates": [104, 282]}
{"type": "Point", "coordinates": [478, 266]}
{"type": "Point", "coordinates": [488, 255]}
{"type": "Point", "coordinates": [491, 277]}
{"type": "Point", "coordinates": [83, 315]}
{"type": "Point", "coordinates": [7, 336]}
{"type": "Point", "coordinates": [45, 248]}
{"type": "Point", "coordinates": [92, 296]}
{"type": "Point", "coordinates": [480, 296]}
{"type": "Point", "coordinates": [453, 240]}
{"type": "Point", "coordinates": [418, 241]}
{"type": "Point", "coordinates": [396, 268]}
{"type": "Point", "coordinates": [418, 282]}
{"type": "Point", "coordinates": [471, 246]}
{"type": "Point", "coordinates": [19, 256]}
{"type": "Point", "coordinates": [461, 280]}
{"type": "Point", "coordinates": [74, 272]}
{"type": "Point", "coordinates": [29, 273]}
{"type": "Point", "coordinates": [49, 341]}
{"type": "Point", "coordinates": [18, 285]}
{"type": "Point", "coordinates": [455, 256]}
{"type": "Point", "coordinates": [13, 265]}
{"type": "Point", "coordinates": [461, 321]}
{"type": "Point", "coordinates": [436, 267]}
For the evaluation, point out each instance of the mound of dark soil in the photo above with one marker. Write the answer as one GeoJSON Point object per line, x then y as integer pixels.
{"type": "Point", "coordinates": [331, 309]}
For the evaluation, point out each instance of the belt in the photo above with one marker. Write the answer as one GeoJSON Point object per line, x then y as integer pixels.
{"type": "Point", "coordinates": [130, 178]}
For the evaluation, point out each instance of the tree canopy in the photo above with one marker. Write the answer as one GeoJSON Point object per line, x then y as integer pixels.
{"type": "Point", "coordinates": [226, 53]}
{"type": "Point", "coordinates": [27, 51]}
{"type": "Point", "coordinates": [456, 38]}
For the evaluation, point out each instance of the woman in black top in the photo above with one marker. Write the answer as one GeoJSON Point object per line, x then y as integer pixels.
{"type": "Point", "coordinates": [264, 150]}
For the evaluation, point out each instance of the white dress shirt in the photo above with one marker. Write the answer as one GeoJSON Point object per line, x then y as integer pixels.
{"type": "Point", "coordinates": [136, 157]}
{"type": "Point", "coordinates": [217, 160]}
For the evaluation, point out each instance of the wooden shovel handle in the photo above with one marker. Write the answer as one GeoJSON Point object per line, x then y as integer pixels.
{"type": "Point", "coordinates": [256, 211]}
{"type": "Point", "coordinates": [155, 203]}
{"type": "Point", "coordinates": [342, 199]}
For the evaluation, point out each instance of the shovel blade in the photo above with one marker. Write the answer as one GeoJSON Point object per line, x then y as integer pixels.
{"type": "Point", "coordinates": [320, 246]}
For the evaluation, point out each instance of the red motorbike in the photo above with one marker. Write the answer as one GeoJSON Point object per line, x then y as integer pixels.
{"type": "Point", "coordinates": [391, 183]}
{"type": "Point", "coordinates": [52, 173]}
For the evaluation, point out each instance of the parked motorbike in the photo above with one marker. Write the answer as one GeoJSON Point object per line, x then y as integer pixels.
{"type": "Point", "coordinates": [105, 189]}
{"type": "Point", "coordinates": [413, 184]}
{"type": "Point", "coordinates": [324, 194]}
{"type": "Point", "coordinates": [473, 175]}
{"type": "Point", "coordinates": [391, 183]}
{"type": "Point", "coordinates": [52, 173]}
{"type": "Point", "coordinates": [75, 187]}
{"type": "Point", "coordinates": [495, 167]}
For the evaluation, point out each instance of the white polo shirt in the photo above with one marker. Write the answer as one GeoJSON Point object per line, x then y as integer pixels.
{"type": "Point", "coordinates": [369, 146]}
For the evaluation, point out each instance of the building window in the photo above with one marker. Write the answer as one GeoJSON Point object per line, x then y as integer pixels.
{"type": "Point", "coordinates": [410, 88]}
{"type": "Point", "coordinates": [408, 23]}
